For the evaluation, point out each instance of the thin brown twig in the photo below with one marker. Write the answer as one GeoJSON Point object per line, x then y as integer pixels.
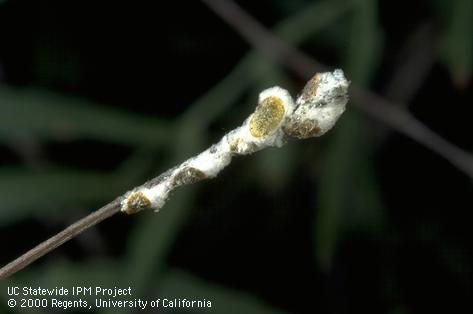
{"type": "Point", "coordinates": [390, 113]}
{"type": "Point", "coordinates": [259, 131]}
{"type": "Point", "coordinates": [261, 38]}
{"type": "Point", "coordinates": [70, 232]}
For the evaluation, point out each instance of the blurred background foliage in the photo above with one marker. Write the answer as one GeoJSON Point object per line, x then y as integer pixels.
{"type": "Point", "coordinates": [97, 97]}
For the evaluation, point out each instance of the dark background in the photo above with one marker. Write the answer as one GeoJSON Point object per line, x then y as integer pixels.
{"type": "Point", "coordinates": [97, 97]}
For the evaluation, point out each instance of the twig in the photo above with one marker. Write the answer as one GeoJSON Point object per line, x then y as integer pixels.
{"type": "Point", "coordinates": [276, 119]}
{"type": "Point", "coordinates": [70, 232]}
{"type": "Point", "coordinates": [390, 113]}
